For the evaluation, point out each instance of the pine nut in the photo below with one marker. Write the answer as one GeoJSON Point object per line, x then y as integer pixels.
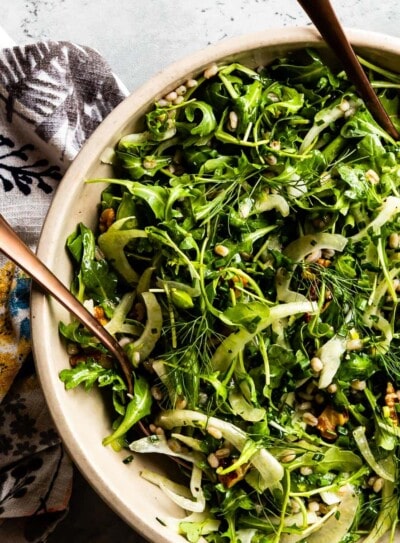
{"type": "Point", "coordinates": [171, 96]}
{"type": "Point", "coordinates": [305, 470]}
{"type": "Point", "coordinates": [354, 344]}
{"type": "Point", "coordinates": [174, 445]}
{"type": "Point", "coordinates": [313, 257]}
{"type": "Point", "coordinates": [213, 461]}
{"type": "Point", "coordinates": [211, 71]}
{"type": "Point", "coordinates": [328, 253]}
{"type": "Point", "coordinates": [378, 485]}
{"type": "Point", "coordinates": [157, 393]}
{"type": "Point", "coordinates": [180, 403]}
{"type": "Point", "coordinates": [288, 458]}
{"type": "Point", "coordinates": [313, 507]}
{"type": "Point", "coordinates": [358, 385]}
{"type": "Point", "coordinates": [271, 160]}
{"type": "Point", "coordinates": [72, 348]}
{"type": "Point", "coordinates": [394, 241]}
{"type": "Point", "coordinates": [178, 100]}
{"type": "Point", "coordinates": [181, 90]}
{"type": "Point", "coordinates": [221, 250]}
{"type": "Point", "coordinates": [191, 83]}
{"type": "Point", "coordinates": [344, 105]}
{"type": "Point", "coordinates": [223, 453]}
{"type": "Point", "coordinates": [233, 121]}
{"type": "Point", "coordinates": [310, 419]}
{"type": "Point", "coordinates": [316, 364]}
{"type": "Point", "coordinates": [163, 103]}
{"type": "Point", "coordinates": [214, 432]}
{"type": "Point", "coordinates": [304, 406]}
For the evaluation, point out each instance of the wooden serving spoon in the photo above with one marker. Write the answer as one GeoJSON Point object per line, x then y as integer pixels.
{"type": "Point", "coordinates": [325, 20]}
{"type": "Point", "coordinates": [16, 250]}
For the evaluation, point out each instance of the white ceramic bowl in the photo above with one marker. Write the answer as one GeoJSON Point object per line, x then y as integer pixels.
{"type": "Point", "coordinates": [81, 418]}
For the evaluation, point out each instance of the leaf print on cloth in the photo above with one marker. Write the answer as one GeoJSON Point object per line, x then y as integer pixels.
{"type": "Point", "coordinates": [17, 170]}
{"type": "Point", "coordinates": [64, 90]}
{"type": "Point", "coordinates": [33, 480]}
{"type": "Point", "coordinates": [52, 96]}
{"type": "Point", "coordinates": [27, 427]}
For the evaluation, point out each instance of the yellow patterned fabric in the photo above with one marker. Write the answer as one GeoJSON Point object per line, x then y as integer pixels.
{"type": "Point", "coordinates": [14, 343]}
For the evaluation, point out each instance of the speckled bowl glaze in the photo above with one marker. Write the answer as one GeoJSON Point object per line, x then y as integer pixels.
{"type": "Point", "coordinates": [81, 418]}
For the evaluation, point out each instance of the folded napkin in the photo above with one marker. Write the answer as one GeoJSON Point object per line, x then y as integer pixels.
{"type": "Point", "coordinates": [52, 96]}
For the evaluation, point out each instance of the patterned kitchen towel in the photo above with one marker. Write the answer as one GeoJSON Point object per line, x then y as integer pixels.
{"type": "Point", "coordinates": [52, 96]}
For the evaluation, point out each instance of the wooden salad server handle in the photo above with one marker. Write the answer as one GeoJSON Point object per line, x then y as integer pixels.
{"type": "Point", "coordinates": [325, 20]}
{"type": "Point", "coordinates": [16, 250]}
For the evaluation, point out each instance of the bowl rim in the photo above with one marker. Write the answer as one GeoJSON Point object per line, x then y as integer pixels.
{"type": "Point", "coordinates": [112, 124]}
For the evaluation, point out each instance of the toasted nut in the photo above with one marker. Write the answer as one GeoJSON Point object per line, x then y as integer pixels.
{"type": "Point", "coordinates": [378, 484]}
{"type": "Point", "coordinates": [221, 250]}
{"type": "Point", "coordinates": [156, 392]}
{"type": "Point", "coordinates": [310, 419]}
{"type": "Point", "coordinates": [214, 432]}
{"type": "Point", "coordinates": [107, 217]}
{"type": "Point", "coordinates": [316, 364]}
{"type": "Point", "coordinates": [356, 384]}
{"type": "Point", "coordinates": [394, 241]}
{"type": "Point", "coordinates": [211, 71]}
{"type": "Point", "coordinates": [213, 460]}
{"type": "Point", "coordinates": [171, 96]}
{"type": "Point", "coordinates": [313, 506]}
{"type": "Point", "coordinates": [224, 452]}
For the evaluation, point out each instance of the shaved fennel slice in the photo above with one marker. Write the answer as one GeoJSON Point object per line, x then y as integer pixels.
{"type": "Point", "coordinates": [117, 322]}
{"type": "Point", "coordinates": [334, 525]}
{"type": "Point", "coordinates": [272, 201]}
{"type": "Point", "coordinates": [323, 119]}
{"type": "Point", "coordinates": [270, 470]}
{"type": "Point", "coordinates": [389, 209]}
{"type": "Point", "coordinates": [227, 351]}
{"type": "Point", "coordinates": [244, 409]}
{"type": "Point", "coordinates": [245, 535]}
{"type": "Point", "coordinates": [204, 522]}
{"type": "Point", "coordinates": [140, 349]}
{"type": "Point", "coordinates": [337, 526]}
{"type": "Point", "coordinates": [314, 527]}
{"type": "Point", "coordinates": [179, 494]}
{"type": "Point", "coordinates": [112, 243]}
{"type": "Point", "coordinates": [283, 293]}
{"type": "Point", "coordinates": [388, 514]}
{"type": "Point", "coordinates": [363, 445]}
{"type": "Point", "coordinates": [195, 486]}
{"type": "Point", "coordinates": [298, 249]}
{"type": "Point", "coordinates": [330, 355]}
{"type": "Point", "coordinates": [373, 317]}
{"type": "Point", "coordinates": [159, 445]}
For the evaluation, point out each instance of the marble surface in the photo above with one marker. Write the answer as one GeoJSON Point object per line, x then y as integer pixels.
{"type": "Point", "coordinates": [139, 38]}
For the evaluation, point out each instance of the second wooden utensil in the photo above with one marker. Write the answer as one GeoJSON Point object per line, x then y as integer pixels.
{"type": "Point", "coordinates": [324, 18]}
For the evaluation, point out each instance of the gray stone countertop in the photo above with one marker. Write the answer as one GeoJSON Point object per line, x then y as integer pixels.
{"type": "Point", "coordinates": [139, 38]}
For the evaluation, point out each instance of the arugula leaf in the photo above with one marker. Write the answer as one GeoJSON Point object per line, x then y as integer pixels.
{"type": "Point", "coordinates": [90, 373]}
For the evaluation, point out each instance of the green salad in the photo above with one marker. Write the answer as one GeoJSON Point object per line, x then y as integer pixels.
{"type": "Point", "coordinates": [247, 257]}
